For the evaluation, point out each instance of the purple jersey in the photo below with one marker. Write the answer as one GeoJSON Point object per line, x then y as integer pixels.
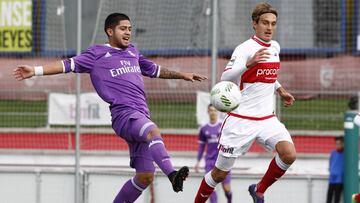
{"type": "Point", "coordinates": [117, 76]}
{"type": "Point", "coordinates": [209, 134]}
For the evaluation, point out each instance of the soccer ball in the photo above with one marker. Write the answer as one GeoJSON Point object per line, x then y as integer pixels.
{"type": "Point", "coordinates": [225, 96]}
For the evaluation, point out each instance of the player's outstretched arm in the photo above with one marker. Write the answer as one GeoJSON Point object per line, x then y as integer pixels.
{"type": "Point", "coordinates": [25, 71]}
{"type": "Point", "coordinates": [286, 96]}
{"type": "Point", "coordinates": [169, 74]}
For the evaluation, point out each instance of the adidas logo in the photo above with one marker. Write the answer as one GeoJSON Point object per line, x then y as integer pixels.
{"type": "Point", "coordinates": [203, 195]}
{"type": "Point", "coordinates": [107, 55]}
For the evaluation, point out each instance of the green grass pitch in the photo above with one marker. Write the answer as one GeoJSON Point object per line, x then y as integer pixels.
{"type": "Point", "coordinates": [315, 114]}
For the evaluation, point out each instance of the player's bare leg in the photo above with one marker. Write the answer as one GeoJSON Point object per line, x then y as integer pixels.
{"type": "Point", "coordinates": [286, 155]}
{"type": "Point", "coordinates": [162, 159]}
{"type": "Point", "coordinates": [133, 188]}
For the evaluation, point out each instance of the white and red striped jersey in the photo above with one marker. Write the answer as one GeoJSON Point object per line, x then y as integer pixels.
{"type": "Point", "coordinates": [257, 83]}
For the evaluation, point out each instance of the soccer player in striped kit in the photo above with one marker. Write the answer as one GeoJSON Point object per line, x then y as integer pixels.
{"type": "Point", "coordinates": [254, 67]}
{"type": "Point", "coordinates": [116, 70]}
{"type": "Point", "coordinates": [209, 137]}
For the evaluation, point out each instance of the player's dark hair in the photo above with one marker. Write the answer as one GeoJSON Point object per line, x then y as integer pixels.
{"type": "Point", "coordinates": [210, 105]}
{"type": "Point", "coordinates": [339, 138]}
{"type": "Point", "coordinates": [113, 19]}
{"type": "Point", "coordinates": [353, 103]}
{"type": "Point", "coordinates": [262, 8]}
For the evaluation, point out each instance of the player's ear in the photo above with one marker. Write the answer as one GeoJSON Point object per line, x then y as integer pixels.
{"type": "Point", "coordinates": [254, 24]}
{"type": "Point", "coordinates": [110, 32]}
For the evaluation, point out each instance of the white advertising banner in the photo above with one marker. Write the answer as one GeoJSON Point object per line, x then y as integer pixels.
{"type": "Point", "coordinates": [62, 109]}
{"type": "Point", "coordinates": [202, 103]}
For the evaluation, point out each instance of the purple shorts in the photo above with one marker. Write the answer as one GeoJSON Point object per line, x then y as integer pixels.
{"type": "Point", "coordinates": [134, 130]}
{"type": "Point", "coordinates": [210, 164]}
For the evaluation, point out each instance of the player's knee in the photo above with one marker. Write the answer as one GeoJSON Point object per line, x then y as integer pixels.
{"type": "Point", "coordinates": [218, 175]}
{"type": "Point", "coordinates": [145, 178]}
{"type": "Point", "coordinates": [286, 152]}
{"type": "Point", "coordinates": [292, 157]}
{"type": "Point", "coordinates": [289, 157]}
{"type": "Point", "coordinates": [153, 132]}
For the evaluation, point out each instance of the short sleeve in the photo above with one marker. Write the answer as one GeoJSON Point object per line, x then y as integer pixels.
{"type": "Point", "coordinates": [148, 68]}
{"type": "Point", "coordinates": [277, 85]}
{"type": "Point", "coordinates": [82, 63]}
{"type": "Point", "coordinates": [238, 60]}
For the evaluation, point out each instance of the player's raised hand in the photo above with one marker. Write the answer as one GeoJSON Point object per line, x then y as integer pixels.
{"type": "Point", "coordinates": [23, 72]}
{"type": "Point", "coordinates": [261, 55]}
{"type": "Point", "coordinates": [193, 77]}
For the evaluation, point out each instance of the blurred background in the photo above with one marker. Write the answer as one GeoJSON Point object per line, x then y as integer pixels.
{"type": "Point", "coordinates": [320, 46]}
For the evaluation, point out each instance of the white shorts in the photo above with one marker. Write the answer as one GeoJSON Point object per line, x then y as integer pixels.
{"type": "Point", "coordinates": [238, 134]}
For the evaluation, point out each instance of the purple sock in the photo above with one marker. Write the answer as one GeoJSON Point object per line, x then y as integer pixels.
{"type": "Point", "coordinates": [129, 192]}
{"type": "Point", "coordinates": [213, 197]}
{"type": "Point", "coordinates": [160, 155]}
{"type": "Point", "coordinates": [228, 196]}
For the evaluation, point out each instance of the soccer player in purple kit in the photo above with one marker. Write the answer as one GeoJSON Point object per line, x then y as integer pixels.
{"type": "Point", "coordinates": [116, 70]}
{"type": "Point", "coordinates": [209, 136]}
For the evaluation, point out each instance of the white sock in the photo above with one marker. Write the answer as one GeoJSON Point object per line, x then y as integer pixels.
{"type": "Point", "coordinates": [209, 180]}
{"type": "Point", "coordinates": [280, 163]}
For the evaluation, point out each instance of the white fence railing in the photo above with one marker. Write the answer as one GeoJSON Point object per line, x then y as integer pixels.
{"type": "Point", "coordinates": [42, 185]}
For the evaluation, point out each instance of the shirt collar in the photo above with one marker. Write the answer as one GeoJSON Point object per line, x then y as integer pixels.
{"type": "Point", "coordinates": [213, 124]}
{"type": "Point", "coordinates": [261, 42]}
{"type": "Point", "coordinates": [108, 45]}
{"type": "Point", "coordinates": [117, 48]}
